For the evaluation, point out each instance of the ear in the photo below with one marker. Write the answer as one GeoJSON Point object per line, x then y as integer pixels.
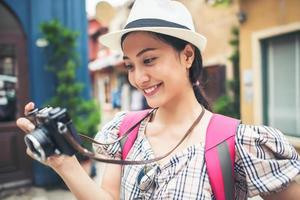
{"type": "Point", "coordinates": [188, 55]}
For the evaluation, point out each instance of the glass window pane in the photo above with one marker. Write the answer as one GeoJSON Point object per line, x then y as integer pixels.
{"type": "Point", "coordinates": [282, 84]}
{"type": "Point", "coordinates": [7, 83]}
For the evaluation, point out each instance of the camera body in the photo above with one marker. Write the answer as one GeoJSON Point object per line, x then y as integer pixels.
{"type": "Point", "coordinates": [48, 137]}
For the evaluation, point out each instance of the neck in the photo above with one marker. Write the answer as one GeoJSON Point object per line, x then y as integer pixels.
{"type": "Point", "coordinates": [180, 109]}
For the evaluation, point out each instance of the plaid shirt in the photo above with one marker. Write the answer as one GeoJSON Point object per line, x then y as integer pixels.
{"type": "Point", "coordinates": [265, 162]}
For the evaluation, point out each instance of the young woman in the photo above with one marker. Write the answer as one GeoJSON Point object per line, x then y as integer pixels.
{"type": "Point", "coordinates": [162, 53]}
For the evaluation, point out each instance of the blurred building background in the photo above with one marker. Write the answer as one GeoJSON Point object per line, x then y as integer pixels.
{"type": "Point", "coordinates": [252, 65]}
{"type": "Point", "coordinates": [270, 65]}
{"type": "Point", "coordinates": [23, 77]}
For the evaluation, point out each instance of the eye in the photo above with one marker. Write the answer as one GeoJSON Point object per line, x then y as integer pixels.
{"type": "Point", "coordinates": [128, 67]}
{"type": "Point", "coordinates": [149, 61]}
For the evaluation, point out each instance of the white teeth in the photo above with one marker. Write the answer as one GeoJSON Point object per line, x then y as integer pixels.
{"type": "Point", "coordinates": [150, 89]}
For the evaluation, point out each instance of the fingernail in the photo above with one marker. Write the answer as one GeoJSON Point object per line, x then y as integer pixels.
{"type": "Point", "coordinates": [31, 105]}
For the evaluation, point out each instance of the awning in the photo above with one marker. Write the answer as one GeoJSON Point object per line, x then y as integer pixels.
{"type": "Point", "coordinates": [112, 59]}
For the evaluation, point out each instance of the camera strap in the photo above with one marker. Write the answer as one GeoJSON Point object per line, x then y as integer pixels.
{"type": "Point", "coordinates": [93, 156]}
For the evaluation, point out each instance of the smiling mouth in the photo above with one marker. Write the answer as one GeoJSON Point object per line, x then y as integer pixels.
{"type": "Point", "coordinates": [151, 90]}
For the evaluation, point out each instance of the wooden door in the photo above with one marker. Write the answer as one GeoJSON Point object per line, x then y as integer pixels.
{"type": "Point", "coordinates": [15, 165]}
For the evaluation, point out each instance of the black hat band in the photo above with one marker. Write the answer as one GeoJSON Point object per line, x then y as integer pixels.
{"type": "Point", "coordinates": [152, 22]}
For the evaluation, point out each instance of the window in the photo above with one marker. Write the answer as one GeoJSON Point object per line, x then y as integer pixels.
{"type": "Point", "coordinates": [7, 83]}
{"type": "Point", "coordinates": [281, 77]}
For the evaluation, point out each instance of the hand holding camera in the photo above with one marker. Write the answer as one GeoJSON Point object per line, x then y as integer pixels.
{"type": "Point", "coordinates": [48, 138]}
{"type": "Point", "coordinates": [54, 135]}
{"type": "Point", "coordinates": [45, 139]}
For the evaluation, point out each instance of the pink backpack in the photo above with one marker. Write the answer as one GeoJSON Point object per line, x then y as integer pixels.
{"type": "Point", "coordinates": [219, 150]}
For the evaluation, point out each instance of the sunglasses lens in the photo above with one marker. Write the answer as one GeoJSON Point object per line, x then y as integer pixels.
{"type": "Point", "coordinates": [145, 179]}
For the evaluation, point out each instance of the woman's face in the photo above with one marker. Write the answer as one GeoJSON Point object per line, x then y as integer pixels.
{"type": "Point", "coordinates": [155, 68]}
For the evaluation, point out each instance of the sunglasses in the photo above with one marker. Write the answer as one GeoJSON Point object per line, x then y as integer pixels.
{"type": "Point", "coordinates": [146, 180]}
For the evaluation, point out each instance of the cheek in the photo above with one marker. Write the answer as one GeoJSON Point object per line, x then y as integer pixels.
{"type": "Point", "coordinates": [131, 79]}
{"type": "Point", "coordinates": [179, 79]}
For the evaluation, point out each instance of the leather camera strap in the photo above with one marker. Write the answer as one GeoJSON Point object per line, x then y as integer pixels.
{"type": "Point", "coordinates": [93, 156]}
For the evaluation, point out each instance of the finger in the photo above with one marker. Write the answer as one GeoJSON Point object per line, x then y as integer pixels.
{"type": "Point", "coordinates": [54, 158]}
{"type": "Point", "coordinates": [25, 125]}
{"type": "Point", "coordinates": [28, 107]}
{"type": "Point", "coordinates": [30, 154]}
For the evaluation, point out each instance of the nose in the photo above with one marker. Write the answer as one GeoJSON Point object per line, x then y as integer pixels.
{"type": "Point", "coordinates": [141, 77]}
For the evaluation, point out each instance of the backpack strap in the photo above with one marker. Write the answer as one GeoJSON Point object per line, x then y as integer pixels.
{"type": "Point", "coordinates": [220, 155]}
{"type": "Point", "coordinates": [129, 120]}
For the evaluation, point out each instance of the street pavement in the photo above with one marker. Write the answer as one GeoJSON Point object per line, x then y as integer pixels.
{"type": "Point", "coordinates": [38, 193]}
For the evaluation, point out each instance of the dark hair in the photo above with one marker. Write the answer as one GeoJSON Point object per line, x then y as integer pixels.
{"type": "Point", "coordinates": [196, 69]}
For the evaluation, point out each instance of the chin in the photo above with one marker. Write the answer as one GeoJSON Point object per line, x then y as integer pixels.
{"type": "Point", "coordinates": [155, 103]}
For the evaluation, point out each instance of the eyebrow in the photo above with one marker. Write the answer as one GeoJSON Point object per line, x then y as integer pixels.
{"type": "Point", "coordinates": [141, 52]}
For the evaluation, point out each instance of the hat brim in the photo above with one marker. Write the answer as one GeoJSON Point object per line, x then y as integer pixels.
{"type": "Point", "coordinates": [113, 40]}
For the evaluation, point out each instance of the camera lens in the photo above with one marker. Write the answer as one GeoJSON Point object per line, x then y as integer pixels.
{"type": "Point", "coordinates": [40, 145]}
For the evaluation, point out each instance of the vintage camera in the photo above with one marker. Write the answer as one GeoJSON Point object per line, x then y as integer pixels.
{"type": "Point", "coordinates": [48, 138]}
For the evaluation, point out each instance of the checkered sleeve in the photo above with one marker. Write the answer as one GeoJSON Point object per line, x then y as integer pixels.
{"type": "Point", "coordinates": [109, 134]}
{"type": "Point", "coordinates": [265, 162]}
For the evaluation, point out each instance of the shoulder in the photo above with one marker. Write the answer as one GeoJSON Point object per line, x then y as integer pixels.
{"type": "Point", "coordinates": [265, 161]}
{"type": "Point", "coordinates": [115, 122]}
{"type": "Point", "coordinates": [265, 141]}
{"type": "Point", "coordinates": [108, 134]}
{"type": "Point", "coordinates": [258, 135]}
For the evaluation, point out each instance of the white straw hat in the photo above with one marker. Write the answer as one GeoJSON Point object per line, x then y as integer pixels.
{"type": "Point", "coordinates": [161, 16]}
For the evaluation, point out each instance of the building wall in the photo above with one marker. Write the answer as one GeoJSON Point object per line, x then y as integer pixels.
{"type": "Point", "coordinates": [31, 13]}
{"type": "Point", "coordinates": [215, 23]}
{"type": "Point", "coordinates": [264, 19]}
